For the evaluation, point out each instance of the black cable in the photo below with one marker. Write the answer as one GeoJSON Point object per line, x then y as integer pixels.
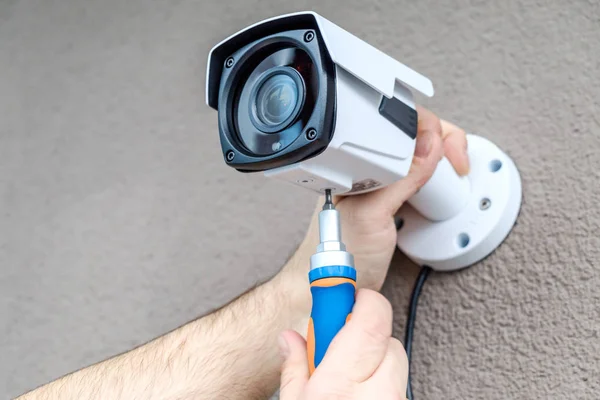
{"type": "Point", "coordinates": [410, 321]}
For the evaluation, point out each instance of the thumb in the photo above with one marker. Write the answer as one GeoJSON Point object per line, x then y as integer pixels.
{"type": "Point", "coordinates": [428, 152]}
{"type": "Point", "coordinates": [294, 372]}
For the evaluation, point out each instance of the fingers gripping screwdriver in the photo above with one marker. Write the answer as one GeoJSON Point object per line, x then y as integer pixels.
{"type": "Point", "coordinates": [332, 284]}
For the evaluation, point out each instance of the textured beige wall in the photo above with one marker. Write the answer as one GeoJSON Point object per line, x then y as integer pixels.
{"type": "Point", "coordinates": [119, 221]}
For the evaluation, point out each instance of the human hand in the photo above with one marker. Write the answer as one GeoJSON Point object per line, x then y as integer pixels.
{"type": "Point", "coordinates": [362, 362]}
{"type": "Point", "coordinates": [368, 228]}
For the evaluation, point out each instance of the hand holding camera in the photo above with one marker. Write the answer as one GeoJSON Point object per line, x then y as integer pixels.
{"type": "Point", "coordinates": [367, 220]}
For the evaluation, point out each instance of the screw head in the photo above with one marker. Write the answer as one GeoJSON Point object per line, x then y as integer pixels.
{"type": "Point", "coordinates": [311, 134]}
{"type": "Point", "coordinates": [230, 155]}
{"type": "Point", "coordinates": [309, 36]}
{"type": "Point", "coordinates": [229, 62]}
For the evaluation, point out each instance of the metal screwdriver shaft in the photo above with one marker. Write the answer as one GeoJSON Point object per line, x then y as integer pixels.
{"type": "Point", "coordinates": [328, 200]}
{"type": "Point", "coordinates": [330, 229]}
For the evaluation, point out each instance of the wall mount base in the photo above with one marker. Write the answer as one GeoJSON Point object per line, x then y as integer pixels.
{"type": "Point", "coordinates": [480, 227]}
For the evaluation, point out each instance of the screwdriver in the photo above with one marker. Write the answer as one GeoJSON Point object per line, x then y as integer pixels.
{"type": "Point", "coordinates": [332, 284]}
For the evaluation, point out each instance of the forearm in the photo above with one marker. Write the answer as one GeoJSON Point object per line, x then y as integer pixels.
{"type": "Point", "coordinates": [230, 354]}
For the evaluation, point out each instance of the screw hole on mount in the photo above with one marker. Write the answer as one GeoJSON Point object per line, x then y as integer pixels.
{"type": "Point", "coordinates": [485, 203]}
{"type": "Point", "coordinates": [230, 155]}
{"type": "Point", "coordinates": [495, 165]}
{"type": "Point", "coordinates": [463, 240]}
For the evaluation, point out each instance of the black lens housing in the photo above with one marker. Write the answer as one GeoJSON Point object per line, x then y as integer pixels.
{"type": "Point", "coordinates": [257, 137]}
{"type": "Point", "coordinates": [257, 146]}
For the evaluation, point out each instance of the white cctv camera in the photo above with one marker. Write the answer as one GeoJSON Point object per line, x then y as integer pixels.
{"type": "Point", "coordinates": [313, 105]}
{"type": "Point", "coordinates": [307, 102]}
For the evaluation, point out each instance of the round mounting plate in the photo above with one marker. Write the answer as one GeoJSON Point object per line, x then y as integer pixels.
{"type": "Point", "coordinates": [480, 227]}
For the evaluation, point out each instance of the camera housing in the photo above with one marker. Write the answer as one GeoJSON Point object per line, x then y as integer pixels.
{"type": "Point", "coordinates": [355, 124]}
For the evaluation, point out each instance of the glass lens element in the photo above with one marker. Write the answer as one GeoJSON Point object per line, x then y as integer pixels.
{"type": "Point", "coordinates": [276, 99]}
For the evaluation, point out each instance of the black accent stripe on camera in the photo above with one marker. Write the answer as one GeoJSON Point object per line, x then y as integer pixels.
{"type": "Point", "coordinates": [399, 114]}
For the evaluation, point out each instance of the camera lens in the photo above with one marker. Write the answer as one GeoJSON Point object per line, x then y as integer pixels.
{"type": "Point", "coordinates": [276, 100]}
{"type": "Point", "coordinates": [272, 100]}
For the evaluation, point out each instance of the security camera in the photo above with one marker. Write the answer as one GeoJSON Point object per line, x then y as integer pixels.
{"type": "Point", "coordinates": [309, 103]}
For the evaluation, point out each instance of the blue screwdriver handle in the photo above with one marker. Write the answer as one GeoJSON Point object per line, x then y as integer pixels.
{"type": "Point", "coordinates": [333, 290]}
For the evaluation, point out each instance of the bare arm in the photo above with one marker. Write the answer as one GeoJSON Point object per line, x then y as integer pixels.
{"type": "Point", "coordinates": [233, 353]}
{"type": "Point", "coordinates": [229, 354]}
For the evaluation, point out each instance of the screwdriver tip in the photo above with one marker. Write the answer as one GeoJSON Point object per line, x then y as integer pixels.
{"type": "Point", "coordinates": [328, 200]}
